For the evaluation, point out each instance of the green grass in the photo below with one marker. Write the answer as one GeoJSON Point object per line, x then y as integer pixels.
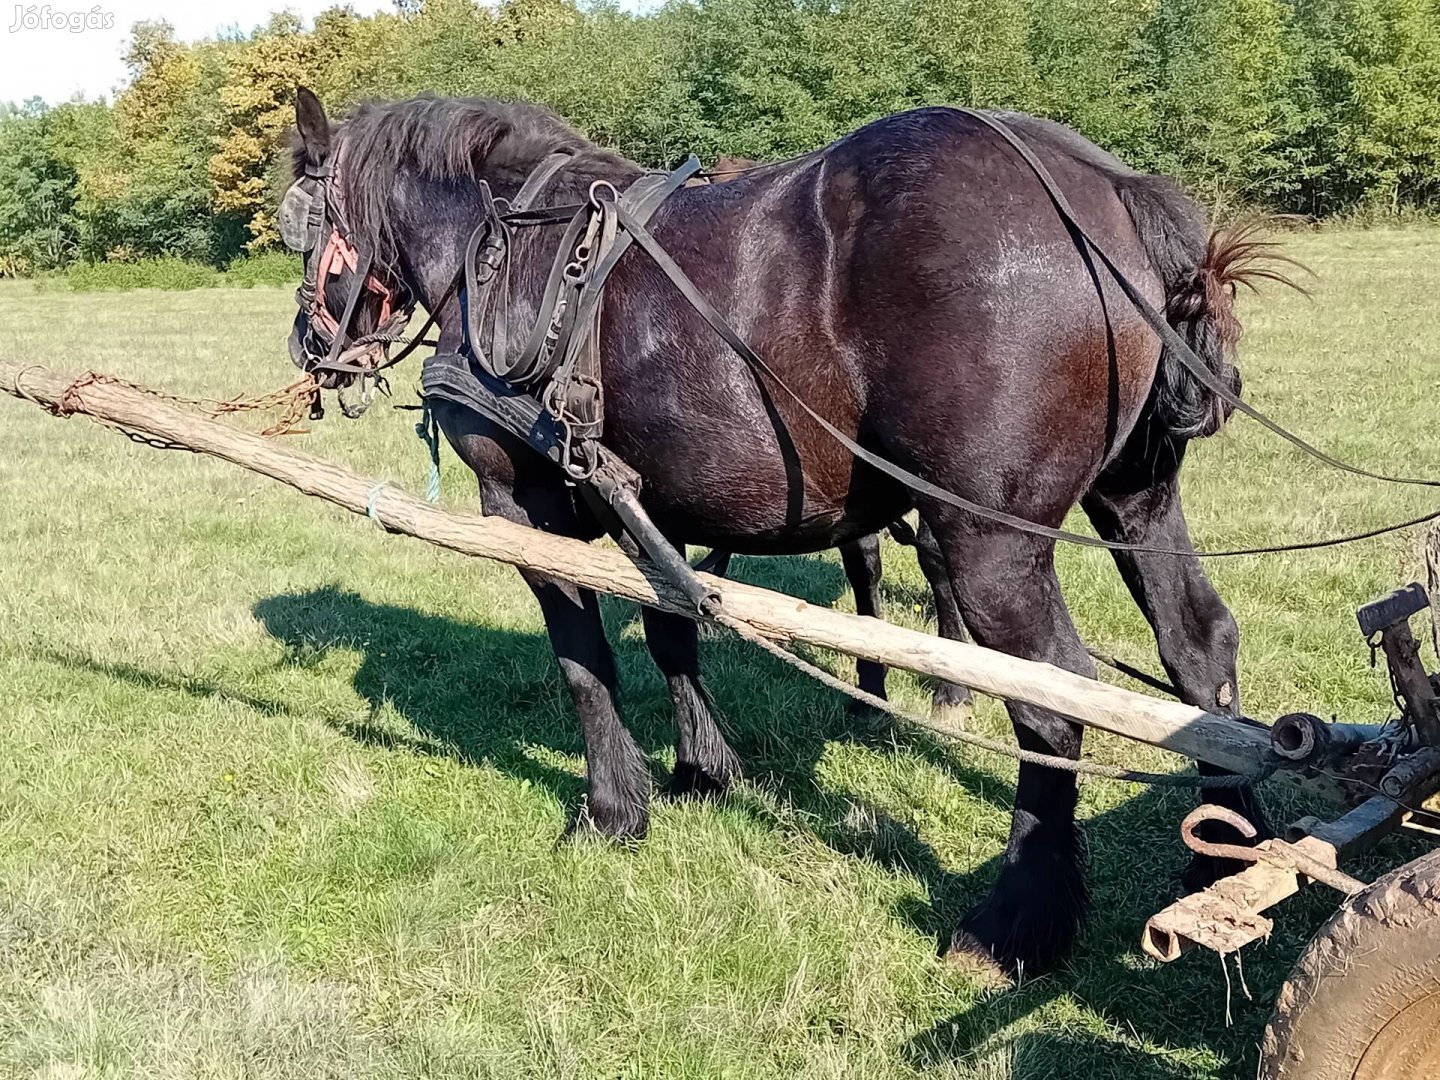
{"type": "Point", "coordinates": [281, 795]}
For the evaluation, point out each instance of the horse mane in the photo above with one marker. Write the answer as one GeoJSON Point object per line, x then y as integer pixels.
{"type": "Point", "coordinates": [441, 138]}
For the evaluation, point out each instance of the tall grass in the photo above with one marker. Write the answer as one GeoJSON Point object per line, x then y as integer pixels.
{"type": "Point", "coordinates": [177, 275]}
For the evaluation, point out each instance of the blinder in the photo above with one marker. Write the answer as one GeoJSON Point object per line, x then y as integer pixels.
{"type": "Point", "coordinates": [296, 228]}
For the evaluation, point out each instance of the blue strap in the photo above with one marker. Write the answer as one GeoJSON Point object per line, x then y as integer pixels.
{"type": "Point", "coordinates": [429, 431]}
{"type": "Point", "coordinates": [370, 511]}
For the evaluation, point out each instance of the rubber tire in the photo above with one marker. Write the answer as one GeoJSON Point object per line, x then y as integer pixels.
{"type": "Point", "coordinates": [1377, 956]}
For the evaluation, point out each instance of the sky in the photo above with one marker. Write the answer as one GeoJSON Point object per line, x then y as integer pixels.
{"type": "Point", "coordinates": [55, 63]}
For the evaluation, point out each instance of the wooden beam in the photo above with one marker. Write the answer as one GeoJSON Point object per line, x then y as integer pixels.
{"type": "Point", "coordinates": [1224, 741]}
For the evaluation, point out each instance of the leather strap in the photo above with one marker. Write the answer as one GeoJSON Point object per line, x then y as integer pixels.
{"type": "Point", "coordinates": [718, 323]}
{"type": "Point", "coordinates": [535, 365]}
{"type": "Point", "coordinates": [1173, 341]}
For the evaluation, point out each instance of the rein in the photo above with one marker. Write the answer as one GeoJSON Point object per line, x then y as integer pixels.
{"type": "Point", "coordinates": [563, 419]}
{"type": "Point", "coordinates": [1168, 337]}
{"type": "Point", "coordinates": [922, 486]}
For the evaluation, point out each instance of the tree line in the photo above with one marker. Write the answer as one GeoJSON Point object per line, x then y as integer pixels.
{"type": "Point", "coordinates": [1316, 107]}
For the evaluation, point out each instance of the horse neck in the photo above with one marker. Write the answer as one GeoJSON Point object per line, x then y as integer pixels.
{"type": "Point", "coordinates": [432, 240]}
{"type": "Point", "coordinates": [571, 184]}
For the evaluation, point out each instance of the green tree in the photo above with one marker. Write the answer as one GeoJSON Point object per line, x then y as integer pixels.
{"type": "Point", "coordinates": [1316, 105]}
{"type": "Point", "coordinates": [167, 120]}
{"type": "Point", "coordinates": [976, 51]}
{"type": "Point", "coordinates": [1222, 87]}
{"type": "Point", "coordinates": [257, 99]}
{"type": "Point", "coordinates": [1372, 97]}
{"type": "Point", "coordinates": [38, 229]}
{"type": "Point", "coordinates": [1088, 74]}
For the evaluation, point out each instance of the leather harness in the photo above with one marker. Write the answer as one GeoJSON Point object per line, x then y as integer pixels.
{"type": "Point", "coordinates": [548, 392]}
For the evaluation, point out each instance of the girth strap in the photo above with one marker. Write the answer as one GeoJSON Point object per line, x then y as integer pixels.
{"type": "Point", "coordinates": [458, 379]}
{"type": "Point", "coordinates": [613, 484]}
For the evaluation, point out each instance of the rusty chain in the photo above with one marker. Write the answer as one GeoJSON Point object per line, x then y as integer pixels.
{"type": "Point", "coordinates": [294, 399]}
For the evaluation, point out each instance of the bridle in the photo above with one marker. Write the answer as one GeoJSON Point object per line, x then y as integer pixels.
{"type": "Point", "coordinates": [312, 223]}
{"type": "Point", "coordinates": [312, 212]}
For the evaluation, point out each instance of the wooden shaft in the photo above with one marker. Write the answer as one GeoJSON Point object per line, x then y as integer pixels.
{"type": "Point", "coordinates": [1223, 741]}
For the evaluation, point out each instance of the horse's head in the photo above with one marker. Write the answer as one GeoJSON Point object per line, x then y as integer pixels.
{"type": "Point", "coordinates": [385, 206]}
{"type": "Point", "coordinates": [349, 312]}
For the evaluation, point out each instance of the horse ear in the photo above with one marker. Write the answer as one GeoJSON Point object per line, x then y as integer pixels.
{"type": "Point", "coordinates": [314, 127]}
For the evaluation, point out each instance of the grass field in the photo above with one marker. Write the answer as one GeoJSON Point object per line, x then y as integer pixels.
{"type": "Point", "coordinates": [280, 795]}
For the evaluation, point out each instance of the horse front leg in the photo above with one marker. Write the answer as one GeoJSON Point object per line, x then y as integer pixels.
{"type": "Point", "coordinates": [1197, 637]}
{"type": "Point", "coordinates": [618, 801]}
{"type": "Point", "coordinates": [515, 484]}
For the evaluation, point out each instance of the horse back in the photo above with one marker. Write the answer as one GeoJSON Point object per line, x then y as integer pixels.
{"type": "Point", "coordinates": [911, 282]}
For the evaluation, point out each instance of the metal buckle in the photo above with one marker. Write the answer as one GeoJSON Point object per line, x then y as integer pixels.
{"type": "Point", "coordinates": [602, 185]}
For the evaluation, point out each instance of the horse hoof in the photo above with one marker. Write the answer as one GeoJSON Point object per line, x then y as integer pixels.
{"type": "Point", "coordinates": [1004, 956]}
{"type": "Point", "coordinates": [971, 958]}
{"type": "Point", "coordinates": [867, 714]}
{"type": "Point", "coordinates": [624, 825]}
{"type": "Point", "coordinates": [1025, 927]}
{"type": "Point", "coordinates": [691, 781]}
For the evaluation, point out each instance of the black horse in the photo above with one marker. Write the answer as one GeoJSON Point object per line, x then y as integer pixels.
{"type": "Point", "coordinates": [913, 283]}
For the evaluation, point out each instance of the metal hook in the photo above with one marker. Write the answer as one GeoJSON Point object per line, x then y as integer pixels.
{"type": "Point", "coordinates": [1210, 812]}
{"type": "Point", "coordinates": [599, 185]}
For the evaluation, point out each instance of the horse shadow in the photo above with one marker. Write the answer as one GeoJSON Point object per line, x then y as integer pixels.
{"type": "Point", "coordinates": [491, 696]}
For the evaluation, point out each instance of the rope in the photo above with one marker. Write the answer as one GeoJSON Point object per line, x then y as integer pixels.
{"type": "Point", "coordinates": [20, 389]}
{"type": "Point", "coordinates": [1019, 753]}
{"type": "Point", "coordinates": [429, 431]}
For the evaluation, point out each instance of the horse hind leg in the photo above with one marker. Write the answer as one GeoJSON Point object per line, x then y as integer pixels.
{"type": "Point", "coordinates": [951, 703]}
{"type": "Point", "coordinates": [705, 764]}
{"type": "Point", "coordinates": [863, 569]}
{"type": "Point", "coordinates": [1010, 600]}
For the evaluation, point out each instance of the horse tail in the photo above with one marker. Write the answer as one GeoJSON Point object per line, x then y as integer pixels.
{"type": "Point", "coordinates": [1200, 269]}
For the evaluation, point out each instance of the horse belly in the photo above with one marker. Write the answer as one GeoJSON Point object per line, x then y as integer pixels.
{"type": "Point", "coordinates": [719, 486]}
